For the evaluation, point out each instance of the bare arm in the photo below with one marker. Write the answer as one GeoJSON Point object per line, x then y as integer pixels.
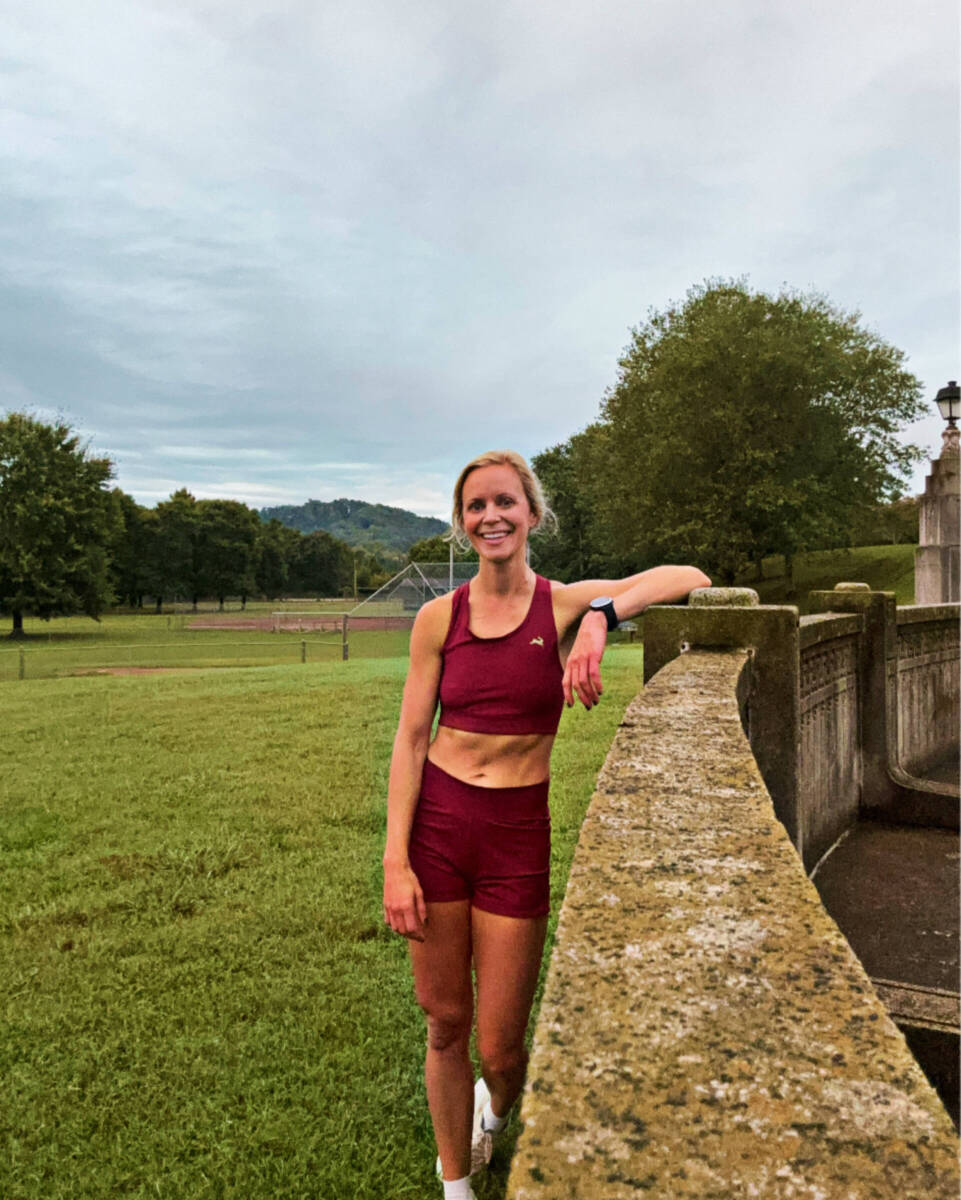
{"type": "Point", "coordinates": [404, 908]}
{"type": "Point", "coordinates": [631, 596]}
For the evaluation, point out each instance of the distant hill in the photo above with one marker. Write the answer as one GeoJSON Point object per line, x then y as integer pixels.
{"type": "Point", "coordinates": [357, 522]}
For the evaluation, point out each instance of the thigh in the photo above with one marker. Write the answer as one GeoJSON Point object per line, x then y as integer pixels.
{"type": "Point", "coordinates": [507, 960]}
{"type": "Point", "coordinates": [442, 961]}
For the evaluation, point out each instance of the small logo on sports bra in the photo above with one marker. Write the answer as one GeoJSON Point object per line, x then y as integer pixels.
{"type": "Point", "coordinates": [537, 641]}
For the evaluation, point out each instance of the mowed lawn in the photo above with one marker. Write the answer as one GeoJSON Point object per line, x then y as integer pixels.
{"type": "Point", "coordinates": [199, 996]}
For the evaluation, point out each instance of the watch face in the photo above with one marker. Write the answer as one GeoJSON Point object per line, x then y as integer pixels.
{"type": "Point", "coordinates": [601, 602]}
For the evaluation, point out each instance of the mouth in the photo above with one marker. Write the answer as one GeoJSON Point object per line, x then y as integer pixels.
{"type": "Point", "coordinates": [492, 538]}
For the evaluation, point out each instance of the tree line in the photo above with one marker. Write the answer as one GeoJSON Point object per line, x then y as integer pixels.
{"type": "Point", "coordinates": [69, 543]}
{"type": "Point", "coordinates": [189, 549]}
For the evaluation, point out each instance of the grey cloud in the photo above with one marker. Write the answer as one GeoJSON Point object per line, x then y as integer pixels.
{"type": "Point", "coordinates": [398, 234]}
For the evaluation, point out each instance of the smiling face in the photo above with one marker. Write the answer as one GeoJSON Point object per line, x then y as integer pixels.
{"type": "Point", "coordinates": [496, 512]}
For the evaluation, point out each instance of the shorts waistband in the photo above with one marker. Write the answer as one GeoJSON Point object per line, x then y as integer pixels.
{"type": "Point", "coordinates": [436, 779]}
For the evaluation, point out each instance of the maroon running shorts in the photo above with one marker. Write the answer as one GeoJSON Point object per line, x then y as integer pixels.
{"type": "Point", "coordinates": [491, 846]}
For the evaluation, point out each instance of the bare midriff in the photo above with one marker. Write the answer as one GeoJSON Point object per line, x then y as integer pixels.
{"type": "Point", "coordinates": [492, 759]}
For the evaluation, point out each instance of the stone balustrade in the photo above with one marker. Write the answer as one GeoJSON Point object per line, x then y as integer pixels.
{"type": "Point", "coordinates": [706, 1030]}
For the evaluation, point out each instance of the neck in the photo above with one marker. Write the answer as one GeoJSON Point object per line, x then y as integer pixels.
{"type": "Point", "coordinates": [501, 578]}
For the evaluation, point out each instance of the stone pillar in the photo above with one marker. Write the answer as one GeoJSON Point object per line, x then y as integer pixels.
{"type": "Point", "coordinates": [937, 563]}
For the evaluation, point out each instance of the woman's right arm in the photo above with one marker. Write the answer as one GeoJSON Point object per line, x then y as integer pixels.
{"type": "Point", "coordinates": [404, 908]}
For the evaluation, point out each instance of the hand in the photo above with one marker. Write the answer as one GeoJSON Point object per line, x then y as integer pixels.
{"type": "Point", "coordinates": [404, 908]}
{"type": "Point", "coordinates": [583, 671]}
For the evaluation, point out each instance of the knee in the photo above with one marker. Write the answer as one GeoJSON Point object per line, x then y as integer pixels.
{"type": "Point", "coordinates": [448, 1027]}
{"type": "Point", "coordinates": [501, 1058]}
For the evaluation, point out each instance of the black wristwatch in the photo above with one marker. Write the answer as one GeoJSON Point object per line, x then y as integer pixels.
{"type": "Point", "coordinates": [605, 605]}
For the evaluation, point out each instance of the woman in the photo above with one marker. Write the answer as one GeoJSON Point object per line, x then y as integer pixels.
{"type": "Point", "coordinates": [468, 833]}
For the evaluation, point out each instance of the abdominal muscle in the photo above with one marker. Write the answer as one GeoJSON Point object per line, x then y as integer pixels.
{"type": "Point", "coordinates": [492, 760]}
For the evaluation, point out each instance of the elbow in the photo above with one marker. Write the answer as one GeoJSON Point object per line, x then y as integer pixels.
{"type": "Point", "coordinates": [412, 740]}
{"type": "Point", "coordinates": [702, 580]}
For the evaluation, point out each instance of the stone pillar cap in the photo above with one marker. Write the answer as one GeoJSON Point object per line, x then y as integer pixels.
{"type": "Point", "coordinates": [727, 597]}
{"type": "Point", "coordinates": [852, 587]}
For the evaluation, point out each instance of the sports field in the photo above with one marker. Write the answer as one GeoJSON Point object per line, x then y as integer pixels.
{"type": "Point", "coordinates": [200, 998]}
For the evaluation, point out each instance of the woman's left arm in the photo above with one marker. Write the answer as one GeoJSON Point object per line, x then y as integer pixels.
{"type": "Point", "coordinates": [631, 596]}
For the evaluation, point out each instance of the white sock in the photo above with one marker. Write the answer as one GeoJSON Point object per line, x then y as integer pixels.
{"type": "Point", "coordinates": [490, 1123]}
{"type": "Point", "coordinates": [457, 1189]}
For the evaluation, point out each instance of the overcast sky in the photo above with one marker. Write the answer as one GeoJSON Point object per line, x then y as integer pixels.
{"type": "Point", "coordinates": [277, 250]}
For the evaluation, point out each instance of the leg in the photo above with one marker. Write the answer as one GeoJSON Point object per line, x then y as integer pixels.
{"type": "Point", "coordinates": [442, 982]}
{"type": "Point", "coordinates": [507, 959]}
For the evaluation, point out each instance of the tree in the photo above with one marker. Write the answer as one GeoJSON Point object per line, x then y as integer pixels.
{"type": "Point", "coordinates": [743, 424]}
{"type": "Point", "coordinates": [132, 549]}
{"type": "Point", "coordinates": [580, 548]}
{"type": "Point", "coordinates": [276, 546]}
{"type": "Point", "coordinates": [57, 519]}
{"type": "Point", "coordinates": [436, 549]}
{"type": "Point", "coordinates": [175, 566]}
{"type": "Point", "coordinates": [226, 537]}
{"type": "Point", "coordinates": [321, 565]}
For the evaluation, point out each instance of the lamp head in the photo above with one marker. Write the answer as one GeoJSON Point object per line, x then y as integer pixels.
{"type": "Point", "coordinates": [949, 402]}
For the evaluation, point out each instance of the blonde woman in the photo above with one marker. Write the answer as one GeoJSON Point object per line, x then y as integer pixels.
{"type": "Point", "coordinates": [467, 858]}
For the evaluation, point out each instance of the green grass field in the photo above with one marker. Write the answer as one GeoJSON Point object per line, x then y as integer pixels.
{"type": "Point", "coordinates": [72, 645]}
{"type": "Point", "coordinates": [883, 568]}
{"type": "Point", "coordinates": [200, 998]}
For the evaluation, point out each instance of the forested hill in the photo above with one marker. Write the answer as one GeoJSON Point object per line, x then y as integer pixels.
{"type": "Point", "coordinates": [357, 522]}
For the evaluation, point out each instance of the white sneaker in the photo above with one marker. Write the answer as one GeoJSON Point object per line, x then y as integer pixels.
{"type": "Point", "coordinates": [481, 1142]}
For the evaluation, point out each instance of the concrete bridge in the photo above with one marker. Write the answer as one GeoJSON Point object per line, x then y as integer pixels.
{"type": "Point", "coordinates": [754, 984]}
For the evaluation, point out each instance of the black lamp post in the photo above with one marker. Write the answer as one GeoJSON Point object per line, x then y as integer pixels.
{"type": "Point", "coordinates": [949, 402]}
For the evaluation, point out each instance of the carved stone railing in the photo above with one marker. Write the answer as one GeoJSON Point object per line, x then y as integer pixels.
{"type": "Point", "coordinates": [928, 698]}
{"type": "Point", "coordinates": [705, 1029]}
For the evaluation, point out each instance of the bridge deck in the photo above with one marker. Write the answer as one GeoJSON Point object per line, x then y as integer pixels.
{"type": "Point", "coordinates": [893, 890]}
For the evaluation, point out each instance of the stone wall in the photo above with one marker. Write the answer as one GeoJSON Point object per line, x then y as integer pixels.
{"type": "Point", "coordinates": [928, 694]}
{"type": "Point", "coordinates": [706, 1030]}
{"type": "Point", "coordinates": [830, 760]}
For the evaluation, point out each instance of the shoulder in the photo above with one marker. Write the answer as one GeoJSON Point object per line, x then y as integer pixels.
{"type": "Point", "coordinates": [432, 622]}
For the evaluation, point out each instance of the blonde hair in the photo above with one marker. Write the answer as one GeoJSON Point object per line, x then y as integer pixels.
{"type": "Point", "coordinates": [544, 519]}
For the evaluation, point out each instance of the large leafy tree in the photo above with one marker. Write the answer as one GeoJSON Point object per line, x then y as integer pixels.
{"type": "Point", "coordinates": [57, 521]}
{"type": "Point", "coordinates": [743, 424]}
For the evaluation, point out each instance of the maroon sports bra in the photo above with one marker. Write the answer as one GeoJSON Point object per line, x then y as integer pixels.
{"type": "Point", "coordinates": [508, 684]}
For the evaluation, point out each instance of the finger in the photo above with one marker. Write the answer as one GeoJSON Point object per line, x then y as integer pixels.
{"type": "Point", "coordinates": [577, 680]}
{"type": "Point", "coordinates": [595, 674]}
{"type": "Point", "coordinates": [566, 685]}
{"type": "Point", "coordinates": [420, 906]}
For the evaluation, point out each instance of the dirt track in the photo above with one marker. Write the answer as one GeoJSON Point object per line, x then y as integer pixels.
{"type": "Point", "coordinates": [295, 624]}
